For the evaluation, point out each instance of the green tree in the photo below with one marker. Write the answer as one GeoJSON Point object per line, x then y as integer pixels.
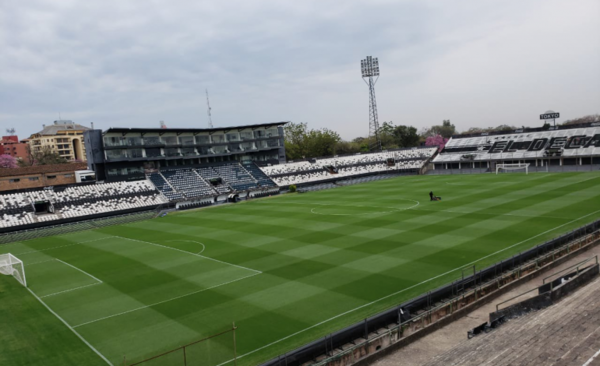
{"type": "Point", "coordinates": [386, 135]}
{"type": "Point", "coordinates": [45, 156]}
{"type": "Point", "coordinates": [348, 147]}
{"type": "Point", "coordinates": [406, 136]}
{"type": "Point", "coordinates": [302, 143]}
{"type": "Point", "coordinates": [446, 129]}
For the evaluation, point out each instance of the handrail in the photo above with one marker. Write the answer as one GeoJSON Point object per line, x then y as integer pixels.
{"type": "Point", "coordinates": [575, 265]}
{"type": "Point", "coordinates": [514, 297]}
{"type": "Point", "coordinates": [544, 281]}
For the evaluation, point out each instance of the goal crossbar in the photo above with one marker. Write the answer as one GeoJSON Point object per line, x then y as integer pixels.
{"type": "Point", "coordinates": [13, 266]}
{"type": "Point", "coordinates": [514, 166]}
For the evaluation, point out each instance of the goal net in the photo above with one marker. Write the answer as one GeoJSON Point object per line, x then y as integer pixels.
{"type": "Point", "coordinates": [512, 167]}
{"type": "Point", "coordinates": [13, 266]}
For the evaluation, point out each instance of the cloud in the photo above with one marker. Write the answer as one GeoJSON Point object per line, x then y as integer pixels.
{"type": "Point", "coordinates": [132, 63]}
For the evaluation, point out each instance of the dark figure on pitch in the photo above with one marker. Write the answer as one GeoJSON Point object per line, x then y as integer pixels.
{"type": "Point", "coordinates": [431, 196]}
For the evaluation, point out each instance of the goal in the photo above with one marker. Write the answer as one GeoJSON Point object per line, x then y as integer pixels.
{"type": "Point", "coordinates": [510, 167]}
{"type": "Point", "coordinates": [13, 266]}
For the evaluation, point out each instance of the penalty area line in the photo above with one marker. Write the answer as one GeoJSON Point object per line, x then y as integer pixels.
{"type": "Point", "coordinates": [405, 289]}
{"type": "Point", "coordinates": [191, 253]}
{"type": "Point", "coordinates": [71, 329]}
{"type": "Point", "coordinates": [164, 301]}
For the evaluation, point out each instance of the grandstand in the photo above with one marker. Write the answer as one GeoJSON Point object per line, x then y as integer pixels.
{"type": "Point", "coordinates": [562, 148]}
{"type": "Point", "coordinates": [400, 161]}
{"type": "Point", "coordinates": [27, 209]}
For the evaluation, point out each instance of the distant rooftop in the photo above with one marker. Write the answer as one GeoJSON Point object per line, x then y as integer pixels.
{"type": "Point", "coordinates": [60, 125]}
{"type": "Point", "coordinates": [193, 130]}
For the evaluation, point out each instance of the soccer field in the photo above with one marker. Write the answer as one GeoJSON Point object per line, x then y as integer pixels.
{"type": "Point", "coordinates": [287, 269]}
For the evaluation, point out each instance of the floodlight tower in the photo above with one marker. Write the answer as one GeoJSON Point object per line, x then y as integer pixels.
{"type": "Point", "coordinates": [370, 69]}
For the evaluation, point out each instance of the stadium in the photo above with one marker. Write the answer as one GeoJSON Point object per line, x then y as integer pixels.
{"type": "Point", "coordinates": [205, 246]}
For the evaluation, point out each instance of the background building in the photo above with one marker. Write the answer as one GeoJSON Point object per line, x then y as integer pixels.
{"type": "Point", "coordinates": [10, 145]}
{"type": "Point", "coordinates": [39, 176]}
{"type": "Point", "coordinates": [63, 137]}
{"type": "Point", "coordinates": [128, 153]}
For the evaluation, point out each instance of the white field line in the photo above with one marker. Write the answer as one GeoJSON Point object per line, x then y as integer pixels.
{"type": "Point", "coordinates": [394, 209]}
{"type": "Point", "coordinates": [190, 253]}
{"type": "Point", "coordinates": [190, 241]}
{"type": "Point", "coordinates": [64, 246]}
{"type": "Point", "coordinates": [71, 328]}
{"type": "Point", "coordinates": [80, 270]}
{"type": "Point", "coordinates": [165, 301]}
{"type": "Point", "coordinates": [493, 214]}
{"type": "Point", "coordinates": [589, 362]}
{"type": "Point", "coordinates": [48, 260]}
{"type": "Point", "coordinates": [579, 343]}
{"type": "Point", "coordinates": [69, 290]}
{"type": "Point", "coordinates": [98, 282]}
{"type": "Point", "coordinates": [405, 289]}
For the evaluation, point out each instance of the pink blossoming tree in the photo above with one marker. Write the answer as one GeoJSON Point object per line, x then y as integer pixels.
{"type": "Point", "coordinates": [7, 161]}
{"type": "Point", "coordinates": [436, 140]}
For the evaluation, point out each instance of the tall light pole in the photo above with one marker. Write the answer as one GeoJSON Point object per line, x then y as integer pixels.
{"type": "Point", "coordinates": [370, 69]}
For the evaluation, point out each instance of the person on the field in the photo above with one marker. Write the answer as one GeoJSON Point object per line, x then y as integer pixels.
{"type": "Point", "coordinates": [431, 196]}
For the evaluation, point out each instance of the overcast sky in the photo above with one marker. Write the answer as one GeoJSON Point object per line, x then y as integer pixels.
{"type": "Point", "coordinates": [123, 63]}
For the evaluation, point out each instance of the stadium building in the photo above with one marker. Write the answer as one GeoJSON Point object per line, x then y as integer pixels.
{"type": "Point", "coordinates": [127, 153]}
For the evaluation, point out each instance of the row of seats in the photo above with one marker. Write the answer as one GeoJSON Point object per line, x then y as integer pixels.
{"type": "Point", "coordinates": [9, 220]}
{"type": "Point", "coordinates": [112, 205]}
{"type": "Point", "coordinates": [359, 159]}
{"type": "Point", "coordinates": [188, 182]}
{"type": "Point", "coordinates": [306, 172]}
{"type": "Point", "coordinates": [209, 173]}
{"type": "Point", "coordinates": [236, 176]}
{"type": "Point", "coordinates": [17, 208]}
{"type": "Point", "coordinates": [99, 190]}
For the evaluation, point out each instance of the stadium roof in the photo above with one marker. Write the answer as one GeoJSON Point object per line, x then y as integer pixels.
{"type": "Point", "coordinates": [183, 130]}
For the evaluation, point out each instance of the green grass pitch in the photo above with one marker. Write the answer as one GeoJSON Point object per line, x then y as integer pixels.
{"type": "Point", "coordinates": [286, 269]}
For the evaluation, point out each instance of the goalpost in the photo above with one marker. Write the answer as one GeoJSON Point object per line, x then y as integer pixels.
{"type": "Point", "coordinates": [13, 266]}
{"type": "Point", "coordinates": [509, 167]}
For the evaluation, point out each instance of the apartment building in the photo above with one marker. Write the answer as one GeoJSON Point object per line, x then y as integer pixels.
{"type": "Point", "coordinates": [64, 137]}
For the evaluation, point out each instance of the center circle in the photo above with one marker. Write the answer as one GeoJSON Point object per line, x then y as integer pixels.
{"type": "Point", "coordinates": [359, 210]}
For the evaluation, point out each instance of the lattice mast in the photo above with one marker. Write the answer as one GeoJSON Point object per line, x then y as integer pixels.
{"type": "Point", "coordinates": [370, 74]}
{"type": "Point", "coordinates": [210, 125]}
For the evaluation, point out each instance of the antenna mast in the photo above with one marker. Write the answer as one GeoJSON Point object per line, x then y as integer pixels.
{"type": "Point", "coordinates": [210, 125]}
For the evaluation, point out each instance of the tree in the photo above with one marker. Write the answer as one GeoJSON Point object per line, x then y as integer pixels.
{"type": "Point", "coordinates": [386, 135]}
{"type": "Point", "coordinates": [437, 140]}
{"type": "Point", "coordinates": [406, 136]}
{"type": "Point", "coordinates": [7, 161]}
{"type": "Point", "coordinates": [446, 129]}
{"type": "Point", "coordinates": [302, 143]}
{"type": "Point", "coordinates": [584, 119]}
{"type": "Point", "coordinates": [348, 147]}
{"type": "Point", "coordinates": [45, 156]}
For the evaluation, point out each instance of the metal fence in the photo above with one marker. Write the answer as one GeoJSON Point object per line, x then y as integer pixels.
{"type": "Point", "coordinates": [214, 350]}
{"type": "Point", "coordinates": [74, 226]}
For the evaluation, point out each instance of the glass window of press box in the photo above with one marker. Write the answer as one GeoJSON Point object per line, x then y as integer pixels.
{"type": "Point", "coordinates": [116, 154]}
{"type": "Point", "coordinates": [170, 140]}
{"type": "Point", "coordinates": [170, 152]}
{"type": "Point", "coordinates": [233, 136]}
{"type": "Point", "coordinates": [218, 138]}
{"type": "Point", "coordinates": [186, 140]}
{"type": "Point", "coordinates": [188, 151]}
{"type": "Point", "coordinates": [152, 141]}
{"type": "Point", "coordinates": [203, 139]}
{"type": "Point", "coordinates": [246, 135]}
